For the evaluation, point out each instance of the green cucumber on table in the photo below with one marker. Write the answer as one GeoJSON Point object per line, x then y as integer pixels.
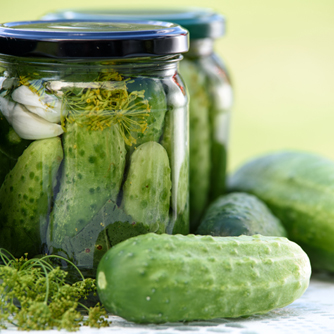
{"type": "Point", "coordinates": [239, 213]}
{"type": "Point", "coordinates": [298, 187]}
{"type": "Point", "coordinates": [166, 278]}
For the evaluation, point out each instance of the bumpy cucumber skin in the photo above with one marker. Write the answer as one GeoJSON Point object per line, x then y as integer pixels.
{"type": "Point", "coordinates": [199, 135]}
{"type": "Point", "coordinates": [147, 189]}
{"type": "Point", "coordinates": [91, 175]}
{"type": "Point", "coordinates": [239, 213]}
{"type": "Point", "coordinates": [10, 142]}
{"type": "Point", "coordinates": [158, 278]}
{"type": "Point", "coordinates": [298, 187]}
{"type": "Point", "coordinates": [25, 197]}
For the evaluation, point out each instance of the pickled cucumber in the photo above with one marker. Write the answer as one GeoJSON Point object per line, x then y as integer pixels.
{"type": "Point", "coordinates": [106, 229]}
{"type": "Point", "coordinates": [200, 146]}
{"type": "Point", "coordinates": [26, 195]}
{"type": "Point", "coordinates": [147, 189]}
{"type": "Point", "coordinates": [92, 174]}
{"type": "Point", "coordinates": [174, 134]}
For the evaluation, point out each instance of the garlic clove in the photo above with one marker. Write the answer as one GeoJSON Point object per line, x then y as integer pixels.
{"type": "Point", "coordinates": [48, 114]}
{"type": "Point", "coordinates": [6, 107]}
{"type": "Point", "coordinates": [30, 126]}
{"type": "Point", "coordinates": [46, 106]}
{"type": "Point", "coordinates": [2, 79]}
{"type": "Point", "coordinates": [7, 83]}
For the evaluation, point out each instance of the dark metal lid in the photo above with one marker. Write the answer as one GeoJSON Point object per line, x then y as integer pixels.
{"type": "Point", "coordinates": [92, 39]}
{"type": "Point", "coordinates": [201, 22]}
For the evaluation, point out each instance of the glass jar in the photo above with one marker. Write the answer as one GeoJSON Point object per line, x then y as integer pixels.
{"type": "Point", "coordinates": [94, 136]}
{"type": "Point", "coordinates": [210, 91]}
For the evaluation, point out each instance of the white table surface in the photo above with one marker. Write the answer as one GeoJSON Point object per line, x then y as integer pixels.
{"type": "Point", "coordinates": [313, 313]}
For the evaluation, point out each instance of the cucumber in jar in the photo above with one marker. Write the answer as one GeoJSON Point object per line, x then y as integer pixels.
{"type": "Point", "coordinates": [96, 143]}
{"type": "Point", "coordinates": [147, 189]}
{"type": "Point", "coordinates": [200, 146]}
{"type": "Point", "coordinates": [175, 132]}
{"type": "Point", "coordinates": [92, 173]}
{"type": "Point", "coordinates": [26, 197]}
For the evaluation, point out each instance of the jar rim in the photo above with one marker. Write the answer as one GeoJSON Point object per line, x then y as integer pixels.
{"type": "Point", "coordinates": [83, 39]}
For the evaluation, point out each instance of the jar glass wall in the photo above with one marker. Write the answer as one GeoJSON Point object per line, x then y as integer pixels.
{"type": "Point", "coordinates": [92, 153]}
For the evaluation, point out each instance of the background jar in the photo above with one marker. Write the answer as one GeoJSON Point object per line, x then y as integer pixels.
{"type": "Point", "coordinates": [94, 136]}
{"type": "Point", "coordinates": [210, 92]}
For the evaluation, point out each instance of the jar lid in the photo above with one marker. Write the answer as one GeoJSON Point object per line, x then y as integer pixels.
{"type": "Point", "coordinates": [201, 22]}
{"type": "Point", "coordinates": [92, 39]}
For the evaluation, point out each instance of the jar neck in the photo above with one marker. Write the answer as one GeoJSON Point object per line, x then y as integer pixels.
{"type": "Point", "coordinates": [150, 66]}
{"type": "Point", "coordinates": [200, 48]}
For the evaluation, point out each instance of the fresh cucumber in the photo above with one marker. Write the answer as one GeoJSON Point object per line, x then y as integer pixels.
{"type": "Point", "coordinates": [26, 197]}
{"type": "Point", "coordinates": [239, 213]}
{"type": "Point", "coordinates": [298, 187]}
{"type": "Point", "coordinates": [166, 278]}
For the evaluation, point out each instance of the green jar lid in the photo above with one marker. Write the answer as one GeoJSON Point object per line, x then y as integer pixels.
{"type": "Point", "coordinates": [200, 22]}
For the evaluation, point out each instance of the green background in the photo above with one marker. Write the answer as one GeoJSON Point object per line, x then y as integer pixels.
{"type": "Point", "coordinates": [281, 57]}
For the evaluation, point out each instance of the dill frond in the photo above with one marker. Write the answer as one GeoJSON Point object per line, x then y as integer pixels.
{"type": "Point", "coordinates": [108, 103]}
{"type": "Point", "coordinates": [35, 296]}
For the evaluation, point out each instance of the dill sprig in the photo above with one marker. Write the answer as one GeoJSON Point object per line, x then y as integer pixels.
{"type": "Point", "coordinates": [35, 296]}
{"type": "Point", "coordinates": [106, 102]}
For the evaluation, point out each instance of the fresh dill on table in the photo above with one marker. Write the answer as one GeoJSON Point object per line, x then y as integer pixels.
{"type": "Point", "coordinates": [34, 295]}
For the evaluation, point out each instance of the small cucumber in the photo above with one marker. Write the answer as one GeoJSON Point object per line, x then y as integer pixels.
{"type": "Point", "coordinates": [92, 173]}
{"type": "Point", "coordinates": [166, 278]}
{"type": "Point", "coordinates": [239, 213]}
{"type": "Point", "coordinates": [298, 187]}
{"type": "Point", "coordinates": [147, 189]}
{"type": "Point", "coordinates": [26, 195]}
